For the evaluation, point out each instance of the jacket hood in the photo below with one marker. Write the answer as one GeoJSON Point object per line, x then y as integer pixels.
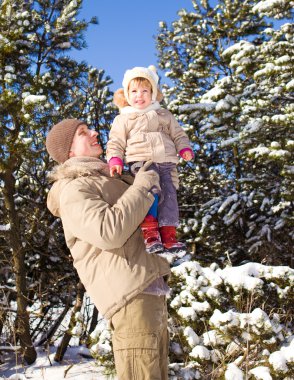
{"type": "Point", "coordinates": [73, 168]}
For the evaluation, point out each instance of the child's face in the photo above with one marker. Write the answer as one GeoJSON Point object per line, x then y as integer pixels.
{"type": "Point", "coordinates": [140, 94]}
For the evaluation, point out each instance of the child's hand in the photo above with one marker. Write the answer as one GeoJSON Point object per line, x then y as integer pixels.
{"type": "Point", "coordinates": [188, 155]}
{"type": "Point", "coordinates": [115, 169]}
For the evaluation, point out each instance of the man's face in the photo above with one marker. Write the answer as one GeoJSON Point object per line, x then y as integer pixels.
{"type": "Point", "coordinates": [85, 143]}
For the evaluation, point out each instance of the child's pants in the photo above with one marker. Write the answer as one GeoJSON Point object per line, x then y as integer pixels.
{"type": "Point", "coordinates": [140, 339]}
{"type": "Point", "coordinates": [168, 210]}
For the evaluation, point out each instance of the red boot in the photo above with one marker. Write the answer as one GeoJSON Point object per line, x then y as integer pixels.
{"type": "Point", "coordinates": [151, 234]}
{"type": "Point", "coordinates": [169, 240]}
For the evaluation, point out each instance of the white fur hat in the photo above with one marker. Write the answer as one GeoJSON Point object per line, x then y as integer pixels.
{"type": "Point", "coordinates": [148, 73]}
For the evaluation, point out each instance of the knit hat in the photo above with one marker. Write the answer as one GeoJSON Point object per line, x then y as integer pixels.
{"type": "Point", "coordinates": [148, 73]}
{"type": "Point", "coordinates": [60, 137]}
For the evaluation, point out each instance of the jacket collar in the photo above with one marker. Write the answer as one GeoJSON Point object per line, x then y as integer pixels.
{"type": "Point", "coordinates": [79, 167]}
{"type": "Point", "coordinates": [128, 109]}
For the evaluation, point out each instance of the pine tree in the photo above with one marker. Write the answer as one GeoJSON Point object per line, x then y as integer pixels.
{"type": "Point", "coordinates": [40, 85]}
{"type": "Point", "coordinates": [218, 59]}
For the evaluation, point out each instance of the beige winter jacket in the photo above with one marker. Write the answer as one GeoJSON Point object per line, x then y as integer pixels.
{"type": "Point", "coordinates": [150, 134]}
{"type": "Point", "coordinates": [100, 217]}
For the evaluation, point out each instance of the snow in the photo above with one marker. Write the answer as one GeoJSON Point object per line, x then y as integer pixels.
{"type": "Point", "coordinates": [5, 227]}
{"type": "Point", "coordinates": [213, 94]}
{"type": "Point", "coordinates": [201, 307]}
{"type": "Point", "coordinates": [187, 313]}
{"type": "Point", "coordinates": [176, 348]}
{"type": "Point", "coordinates": [279, 153]}
{"type": "Point", "coordinates": [222, 105]}
{"type": "Point", "coordinates": [9, 69]}
{"type": "Point", "coordinates": [64, 45]}
{"type": "Point", "coordinates": [228, 331]}
{"type": "Point", "coordinates": [267, 5]}
{"type": "Point", "coordinates": [212, 338]}
{"type": "Point", "coordinates": [197, 106]}
{"type": "Point", "coordinates": [281, 206]}
{"type": "Point", "coordinates": [32, 99]}
{"type": "Point", "coordinates": [261, 373]}
{"type": "Point", "coordinates": [247, 275]}
{"type": "Point", "coordinates": [228, 142]}
{"type": "Point", "coordinates": [259, 151]}
{"type": "Point", "coordinates": [233, 373]}
{"type": "Point", "coordinates": [212, 293]}
{"type": "Point", "coordinates": [224, 320]}
{"type": "Point", "coordinates": [233, 49]}
{"type": "Point", "coordinates": [74, 366]}
{"type": "Point", "coordinates": [200, 352]}
{"type": "Point", "coordinates": [233, 348]}
{"type": "Point", "coordinates": [290, 85]}
{"type": "Point", "coordinates": [227, 202]}
{"type": "Point", "coordinates": [211, 345]}
{"type": "Point", "coordinates": [191, 336]}
{"type": "Point", "coordinates": [280, 359]}
{"type": "Point", "coordinates": [204, 221]}
{"type": "Point", "coordinates": [252, 127]}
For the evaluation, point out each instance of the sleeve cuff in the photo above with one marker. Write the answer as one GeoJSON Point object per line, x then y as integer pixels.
{"type": "Point", "coordinates": [115, 161]}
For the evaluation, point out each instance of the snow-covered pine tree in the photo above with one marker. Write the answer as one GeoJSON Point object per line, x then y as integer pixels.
{"type": "Point", "coordinates": [265, 142]}
{"type": "Point", "coordinates": [231, 88]}
{"type": "Point", "coordinates": [39, 85]}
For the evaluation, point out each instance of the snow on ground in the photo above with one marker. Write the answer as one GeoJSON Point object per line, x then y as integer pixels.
{"type": "Point", "coordinates": [74, 366]}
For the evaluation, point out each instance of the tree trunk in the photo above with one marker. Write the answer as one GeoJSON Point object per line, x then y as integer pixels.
{"type": "Point", "coordinates": [93, 320]}
{"type": "Point", "coordinates": [61, 349]}
{"type": "Point", "coordinates": [3, 315]}
{"type": "Point", "coordinates": [237, 167]}
{"type": "Point", "coordinates": [22, 321]}
{"type": "Point", "coordinates": [48, 334]}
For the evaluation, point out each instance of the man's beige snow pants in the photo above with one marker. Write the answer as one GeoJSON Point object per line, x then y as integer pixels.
{"type": "Point", "coordinates": [140, 339]}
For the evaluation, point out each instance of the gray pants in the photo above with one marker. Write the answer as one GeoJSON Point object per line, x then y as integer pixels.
{"type": "Point", "coordinates": [168, 211]}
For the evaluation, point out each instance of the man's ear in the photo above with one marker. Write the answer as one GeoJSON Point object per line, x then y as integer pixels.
{"type": "Point", "coordinates": [71, 154]}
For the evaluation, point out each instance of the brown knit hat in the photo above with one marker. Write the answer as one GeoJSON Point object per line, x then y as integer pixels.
{"type": "Point", "coordinates": [59, 139]}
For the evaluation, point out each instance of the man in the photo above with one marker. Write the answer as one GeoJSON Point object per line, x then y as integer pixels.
{"type": "Point", "coordinates": [100, 216]}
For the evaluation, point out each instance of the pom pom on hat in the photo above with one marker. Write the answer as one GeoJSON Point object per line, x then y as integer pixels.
{"type": "Point", "coordinates": [119, 98]}
{"type": "Point", "coordinates": [153, 68]}
{"type": "Point", "coordinates": [148, 73]}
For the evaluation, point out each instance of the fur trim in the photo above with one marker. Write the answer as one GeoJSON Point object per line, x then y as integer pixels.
{"type": "Point", "coordinates": [129, 109]}
{"type": "Point", "coordinates": [63, 172]}
{"type": "Point", "coordinates": [79, 167]}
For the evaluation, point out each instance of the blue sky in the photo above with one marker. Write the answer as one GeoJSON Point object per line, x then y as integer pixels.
{"type": "Point", "coordinates": [124, 37]}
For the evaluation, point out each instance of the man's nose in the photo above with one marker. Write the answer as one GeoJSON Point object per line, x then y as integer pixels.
{"type": "Point", "coordinates": [93, 133]}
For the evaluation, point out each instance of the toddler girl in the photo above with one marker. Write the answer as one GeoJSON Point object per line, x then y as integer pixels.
{"type": "Point", "coordinates": [145, 131]}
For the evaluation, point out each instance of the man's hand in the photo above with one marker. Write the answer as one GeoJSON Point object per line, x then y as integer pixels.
{"type": "Point", "coordinates": [147, 178]}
